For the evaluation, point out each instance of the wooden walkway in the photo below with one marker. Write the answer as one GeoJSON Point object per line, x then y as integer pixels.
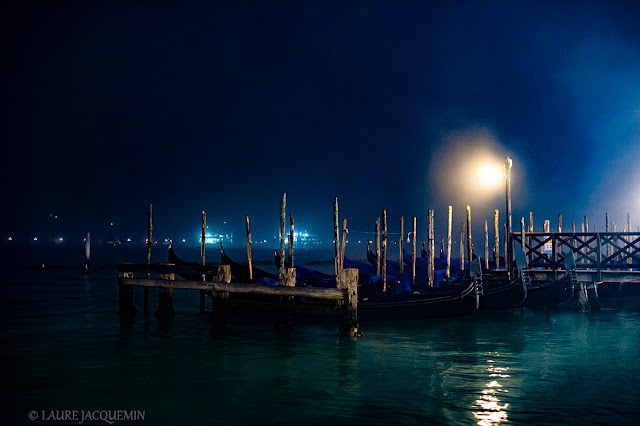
{"type": "Point", "coordinates": [600, 256]}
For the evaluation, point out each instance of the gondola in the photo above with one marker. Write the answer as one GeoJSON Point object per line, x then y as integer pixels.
{"type": "Point", "coordinates": [505, 294]}
{"type": "Point", "coordinates": [307, 276]}
{"type": "Point", "coordinates": [240, 271]}
{"type": "Point", "coordinates": [430, 302]}
{"type": "Point", "coordinates": [553, 293]}
{"type": "Point", "coordinates": [190, 270]}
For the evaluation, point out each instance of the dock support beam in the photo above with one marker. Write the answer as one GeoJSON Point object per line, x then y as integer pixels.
{"type": "Point", "coordinates": [349, 321]}
{"type": "Point", "coordinates": [87, 254]}
{"type": "Point", "coordinates": [165, 297]}
{"type": "Point", "coordinates": [125, 296]}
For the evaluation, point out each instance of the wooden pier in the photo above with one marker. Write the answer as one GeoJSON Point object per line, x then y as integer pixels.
{"type": "Point", "coordinates": [345, 294]}
{"type": "Point", "coordinates": [601, 257]}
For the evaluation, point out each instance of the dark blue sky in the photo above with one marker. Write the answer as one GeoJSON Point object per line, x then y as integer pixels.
{"type": "Point", "coordinates": [224, 106]}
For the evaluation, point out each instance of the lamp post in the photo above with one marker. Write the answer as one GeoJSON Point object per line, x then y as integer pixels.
{"type": "Point", "coordinates": [509, 255]}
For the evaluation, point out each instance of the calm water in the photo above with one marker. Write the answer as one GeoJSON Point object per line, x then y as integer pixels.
{"type": "Point", "coordinates": [63, 348]}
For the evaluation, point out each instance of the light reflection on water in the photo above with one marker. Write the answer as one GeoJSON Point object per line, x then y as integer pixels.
{"type": "Point", "coordinates": [492, 411]}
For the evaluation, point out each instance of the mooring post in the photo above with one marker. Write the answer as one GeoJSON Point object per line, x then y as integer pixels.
{"type": "Point", "coordinates": [469, 241]}
{"type": "Point", "coordinates": [287, 278]}
{"type": "Point", "coordinates": [431, 250]}
{"type": "Point", "coordinates": [336, 239]}
{"type": "Point", "coordinates": [349, 321]}
{"type": "Point", "coordinates": [165, 296]}
{"type": "Point", "coordinates": [343, 243]}
{"type": "Point", "coordinates": [125, 295]}
{"type": "Point", "coordinates": [202, 261]}
{"type": "Point", "coordinates": [486, 245]}
{"type": "Point", "coordinates": [506, 247]}
{"type": "Point", "coordinates": [448, 271]}
{"type": "Point", "coordinates": [383, 259]}
{"type": "Point", "coordinates": [510, 252]}
{"type": "Point", "coordinates": [529, 238]}
{"type": "Point", "coordinates": [583, 239]}
{"type": "Point", "coordinates": [378, 246]}
{"type": "Point", "coordinates": [249, 247]}
{"type": "Point", "coordinates": [496, 239]}
{"type": "Point", "coordinates": [629, 258]}
{"type": "Point", "coordinates": [606, 229]}
{"type": "Point", "coordinates": [223, 275]}
{"type": "Point", "coordinates": [522, 237]}
{"type": "Point", "coordinates": [413, 254]}
{"type": "Point", "coordinates": [148, 259]}
{"type": "Point", "coordinates": [283, 220]}
{"type": "Point", "coordinates": [291, 233]}
{"type": "Point", "coordinates": [558, 245]}
{"type": "Point", "coordinates": [400, 244]}
{"type": "Point", "coordinates": [462, 245]}
{"type": "Point", "coordinates": [87, 254]}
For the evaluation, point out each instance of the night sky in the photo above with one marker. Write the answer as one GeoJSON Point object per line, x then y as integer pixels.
{"type": "Point", "coordinates": [222, 107]}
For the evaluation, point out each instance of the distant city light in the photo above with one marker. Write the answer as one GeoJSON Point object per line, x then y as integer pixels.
{"type": "Point", "coordinates": [10, 239]}
{"type": "Point", "coordinates": [111, 223]}
{"type": "Point", "coordinates": [61, 239]}
{"type": "Point", "coordinates": [128, 240]}
{"type": "Point", "coordinates": [184, 241]}
{"type": "Point", "coordinates": [35, 238]}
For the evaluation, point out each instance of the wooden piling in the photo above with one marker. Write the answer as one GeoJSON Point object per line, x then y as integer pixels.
{"type": "Point", "coordinates": [291, 233]}
{"type": "Point", "coordinates": [249, 247]}
{"type": "Point", "coordinates": [506, 246]}
{"type": "Point", "coordinates": [400, 243]}
{"type": "Point", "coordinates": [496, 239]}
{"type": "Point", "coordinates": [559, 249]}
{"type": "Point", "coordinates": [529, 238]}
{"type": "Point", "coordinates": [629, 259]}
{"type": "Point", "coordinates": [462, 236]}
{"type": "Point", "coordinates": [165, 296]}
{"type": "Point", "coordinates": [283, 220]}
{"type": "Point", "coordinates": [413, 253]}
{"type": "Point", "coordinates": [349, 322]}
{"type": "Point", "coordinates": [87, 254]}
{"type": "Point", "coordinates": [522, 237]}
{"type": "Point", "coordinates": [383, 260]}
{"type": "Point", "coordinates": [378, 246]}
{"type": "Point", "coordinates": [486, 245]}
{"type": "Point", "coordinates": [125, 296]}
{"type": "Point", "coordinates": [431, 249]}
{"type": "Point", "coordinates": [202, 261]}
{"type": "Point", "coordinates": [148, 258]}
{"type": "Point", "coordinates": [469, 241]}
{"type": "Point", "coordinates": [448, 271]}
{"type": "Point", "coordinates": [345, 231]}
{"type": "Point", "coordinates": [336, 239]}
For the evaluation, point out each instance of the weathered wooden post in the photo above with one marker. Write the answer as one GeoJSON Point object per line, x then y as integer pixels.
{"type": "Point", "coordinates": [349, 322]}
{"type": "Point", "coordinates": [283, 220]}
{"type": "Point", "coordinates": [291, 233]}
{"type": "Point", "coordinates": [559, 246]}
{"type": "Point", "coordinates": [148, 260]}
{"type": "Point", "coordinates": [336, 239]}
{"type": "Point", "coordinates": [378, 246]}
{"type": "Point", "coordinates": [431, 250]}
{"type": "Point", "coordinates": [529, 238]}
{"type": "Point", "coordinates": [469, 241]}
{"type": "Point", "coordinates": [249, 247]}
{"type": "Point", "coordinates": [583, 239]}
{"type": "Point", "coordinates": [218, 311]}
{"type": "Point", "coordinates": [486, 245]}
{"type": "Point", "coordinates": [125, 295]}
{"type": "Point", "coordinates": [287, 277]}
{"type": "Point", "coordinates": [510, 252]}
{"type": "Point", "coordinates": [345, 231]}
{"type": "Point", "coordinates": [606, 228]}
{"type": "Point", "coordinates": [384, 250]}
{"type": "Point", "coordinates": [165, 296]}
{"type": "Point", "coordinates": [629, 258]}
{"type": "Point", "coordinates": [522, 237]}
{"type": "Point", "coordinates": [506, 247]}
{"type": "Point", "coordinates": [87, 254]}
{"type": "Point", "coordinates": [413, 254]}
{"type": "Point", "coordinates": [203, 240]}
{"type": "Point", "coordinates": [462, 236]}
{"type": "Point", "coordinates": [400, 244]}
{"type": "Point", "coordinates": [586, 223]}
{"type": "Point", "coordinates": [496, 239]}
{"type": "Point", "coordinates": [448, 271]}
{"type": "Point", "coordinates": [547, 229]}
